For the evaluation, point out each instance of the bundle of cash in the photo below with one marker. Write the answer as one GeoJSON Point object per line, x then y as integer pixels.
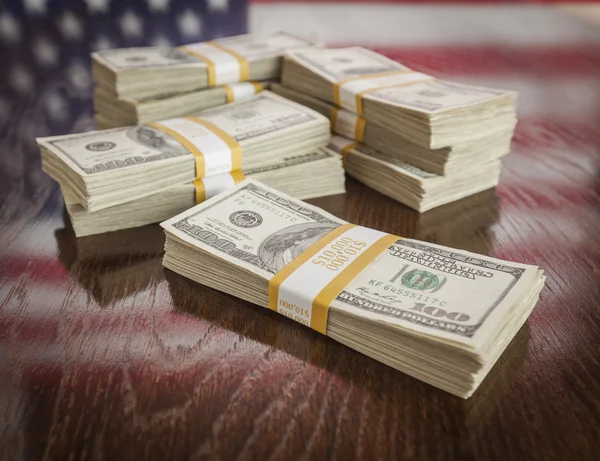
{"type": "Point", "coordinates": [444, 161]}
{"type": "Point", "coordinates": [305, 176]}
{"type": "Point", "coordinates": [418, 189]}
{"type": "Point", "coordinates": [150, 72]}
{"type": "Point", "coordinates": [441, 315]}
{"type": "Point", "coordinates": [112, 112]}
{"type": "Point", "coordinates": [110, 167]}
{"type": "Point", "coordinates": [431, 113]}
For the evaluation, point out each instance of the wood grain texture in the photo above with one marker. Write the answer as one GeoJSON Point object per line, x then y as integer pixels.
{"type": "Point", "coordinates": [104, 355]}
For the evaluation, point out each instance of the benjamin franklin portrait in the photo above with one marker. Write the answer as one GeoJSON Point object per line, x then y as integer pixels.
{"type": "Point", "coordinates": [285, 245]}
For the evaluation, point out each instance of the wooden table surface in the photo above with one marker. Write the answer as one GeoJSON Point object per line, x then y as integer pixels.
{"type": "Point", "coordinates": [106, 356]}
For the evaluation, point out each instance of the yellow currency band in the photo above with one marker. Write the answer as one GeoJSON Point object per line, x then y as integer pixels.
{"type": "Point", "coordinates": [338, 85]}
{"type": "Point", "coordinates": [359, 127]}
{"type": "Point", "coordinates": [229, 94]}
{"type": "Point", "coordinates": [236, 149]}
{"type": "Point", "coordinates": [258, 87]}
{"type": "Point", "coordinates": [333, 118]}
{"type": "Point", "coordinates": [210, 65]}
{"type": "Point", "coordinates": [200, 190]}
{"type": "Point", "coordinates": [346, 149]}
{"type": "Point", "coordinates": [244, 66]}
{"type": "Point", "coordinates": [321, 303]}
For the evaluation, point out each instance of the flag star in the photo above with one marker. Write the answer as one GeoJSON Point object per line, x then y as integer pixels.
{"type": "Point", "coordinates": [35, 6]}
{"type": "Point", "coordinates": [218, 5]}
{"type": "Point", "coordinates": [160, 40]}
{"type": "Point", "coordinates": [97, 6]}
{"type": "Point", "coordinates": [56, 106]}
{"type": "Point", "coordinates": [70, 26]}
{"type": "Point", "coordinates": [45, 52]}
{"type": "Point", "coordinates": [10, 29]}
{"type": "Point", "coordinates": [21, 80]}
{"type": "Point", "coordinates": [102, 43]}
{"type": "Point", "coordinates": [158, 5]}
{"type": "Point", "coordinates": [190, 24]}
{"type": "Point", "coordinates": [79, 76]}
{"type": "Point", "coordinates": [131, 24]}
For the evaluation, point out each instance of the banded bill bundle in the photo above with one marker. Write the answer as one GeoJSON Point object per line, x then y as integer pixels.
{"type": "Point", "coordinates": [129, 177]}
{"type": "Point", "coordinates": [111, 167]}
{"type": "Point", "coordinates": [441, 315]}
{"type": "Point", "coordinates": [408, 184]}
{"type": "Point", "coordinates": [445, 161]}
{"type": "Point", "coordinates": [430, 112]}
{"type": "Point", "coordinates": [315, 174]}
{"type": "Point", "coordinates": [114, 113]}
{"type": "Point", "coordinates": [410, 118]}
{"type": "Point", "coordinates": [138, 85]}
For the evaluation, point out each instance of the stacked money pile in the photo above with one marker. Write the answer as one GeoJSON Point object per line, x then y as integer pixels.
{"type": "Point", "coordinates": [113, 113]}
{"type": "Point", "coordinates": [408, 184]}
{"type": "Point", "coordinates": [306, 176]}
{"type": "Point", "coordinates": [441, 315]}
{"type": "Point", "coordinates": [139, 85]}
{"type": "Point", "coordinates": [443, 161]}
{"type": "Point", "coordinates": [129, 177]}
{"type": "Point", "coordinates": [413, 120]}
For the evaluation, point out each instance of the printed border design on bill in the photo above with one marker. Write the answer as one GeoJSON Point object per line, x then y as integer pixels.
{"type": "Point", "coordinates": [419, 319]}
{"type": "Point", "coordinates": [193, 230]}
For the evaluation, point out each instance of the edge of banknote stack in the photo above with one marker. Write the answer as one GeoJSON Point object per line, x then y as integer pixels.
{"type": "Point", "coordinates": [422, 141]}
{"type": "Point", "coordinates": [132, 176]}
{"type": "Point", "coordinates": [144, 84]}
{"type": "Point", "coordinates": [399, 301]}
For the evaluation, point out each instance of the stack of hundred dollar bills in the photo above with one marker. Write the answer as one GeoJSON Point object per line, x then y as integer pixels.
{"type": "Point", "coordinates": [422, 141]}
{"type": "Point", "coordinates": [139, 85]}
{"type": "Point", "coordinates": [132, 176]}
{"type": "Point", "coordinates": [441, 315]}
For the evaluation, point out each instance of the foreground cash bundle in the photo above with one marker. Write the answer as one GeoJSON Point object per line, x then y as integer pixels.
{"type": "Point", "coordinates": [151, 72]}
{"type": "Point", "coordinates": [305, 176]}
{"type": "Point", "coordinates": [112, 112]}
{"type": "Point", "coordinates": [408, 184]}
{"type": "Point", "coordinates": [441, 315]}
{"type": "Point", "coordinates": [429, 112]}
{"type": "Point", "coordinates": [106, 168]}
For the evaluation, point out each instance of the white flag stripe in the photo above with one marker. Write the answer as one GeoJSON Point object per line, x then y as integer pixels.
{"type": "Point", "coordinates": [388, 24]}
{"type": "Point", "coordinates": [547, 98]}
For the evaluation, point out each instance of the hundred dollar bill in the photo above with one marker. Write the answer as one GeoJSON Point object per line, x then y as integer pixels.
{"type": "Point", "coordinates": [439, 314]}
{"type": "Point", "coordinates": [105, 168]}
{"type": "Point", "coordinates": [154, 71]}
{"type": "Point", "coordinates": [305, 176]}
{"type": "Point", "coordinates": [112, 112]}
{"type": "Point", "coordinates": [428, 111]}
{"type": "Point", "coordinates": [447, 161]}
{"type": "Point", "coordinates": [408, 184]}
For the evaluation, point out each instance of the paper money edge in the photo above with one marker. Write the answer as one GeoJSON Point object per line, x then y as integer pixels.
{"type": "Point", "coordinates": [342, 302]}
